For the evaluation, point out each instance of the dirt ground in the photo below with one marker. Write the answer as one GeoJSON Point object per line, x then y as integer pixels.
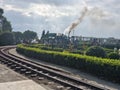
{"type": "Point", "coordinates": [8, 75]}
{"type": "Point", "coordinates": [9, 79]}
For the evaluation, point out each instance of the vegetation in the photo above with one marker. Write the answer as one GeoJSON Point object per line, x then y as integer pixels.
{"type": "Point", "coordinates": [6, 38]}
{"type": "Point", "coordinates": [5, 25]}
{"type": "Point", "coordinates": [97, 66]}
{"type": "Point", "coordinates": [113, 55]}
{"type": "Point", "coordinates": [108, 50]}
{"type": "Point", "coordinates": [10, 38]}
{"type": "Point", "coordinates": [111, 46]}
{"type": "Point", "coordinates": [44, 47]}
{"type": "Point", "coordinates": [1, 11]}
{"type": "Point", "coordinates": [55, 48]}
{"type": "Point", "coordinates": [29, 36]}
{"type": "Point", "coordinates": [18, 36]}
{"type": "Point", "coordinates": [96, 51]}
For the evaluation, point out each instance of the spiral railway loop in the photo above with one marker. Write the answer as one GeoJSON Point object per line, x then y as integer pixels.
{"type": "Point", "coordinates": [36, 70]}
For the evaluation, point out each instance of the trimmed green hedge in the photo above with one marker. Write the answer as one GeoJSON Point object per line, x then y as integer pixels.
{"type": "Point", "coordinates": [43, 47]}
{"type": "Point", "coordinates": [106, 68]}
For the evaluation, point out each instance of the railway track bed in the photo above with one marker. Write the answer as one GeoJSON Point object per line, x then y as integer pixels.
{"type": "Point", "coordinates": [54, 78]}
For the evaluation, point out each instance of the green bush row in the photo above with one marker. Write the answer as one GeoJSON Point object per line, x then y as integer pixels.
{"type": "Point", "coordinates": [43, 47]}
{"type": "Point", "coordinates": [106, 68]}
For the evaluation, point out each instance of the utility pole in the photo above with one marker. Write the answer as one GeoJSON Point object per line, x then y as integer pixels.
{"type": "Point", "coordinates": [1, 25]}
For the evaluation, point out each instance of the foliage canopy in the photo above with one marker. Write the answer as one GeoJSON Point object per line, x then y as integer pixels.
{"type": "Point", "coordinates": [96, 51]}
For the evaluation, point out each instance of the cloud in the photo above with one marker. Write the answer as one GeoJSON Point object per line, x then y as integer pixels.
{"type": "Point", "coordinates": [52, 2]}
{"type": "Point", "coordinates": [26, 3]}
{"type": "Point", "coordinates": [46, 10]}
{"type": "Point", "coordinates": [12, 8]}
{"type": "Point", "coordinates": [56, 15]}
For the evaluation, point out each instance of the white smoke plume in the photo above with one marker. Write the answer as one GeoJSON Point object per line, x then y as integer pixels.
{"type": "Point", "coordinates": [78, 21]}
{"type": "Point", "coordinates": [95, 14]}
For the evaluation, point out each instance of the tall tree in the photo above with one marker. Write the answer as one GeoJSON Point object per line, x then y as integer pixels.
{"type": "Point", "coordinates": [5, 25]}
{"type": "Point", "coordinates": [43, 33]}
{"type": "Point", "coordinates": [29, 36]}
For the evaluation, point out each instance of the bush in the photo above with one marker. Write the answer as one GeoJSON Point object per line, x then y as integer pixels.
{"type": "Point", "coordinates": [96, 51]}
{"type": "Point", "coordinates": [113, 55]}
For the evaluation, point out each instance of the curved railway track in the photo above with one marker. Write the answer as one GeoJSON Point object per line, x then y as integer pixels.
{"type": "Point", "coordinates": [35, 69]}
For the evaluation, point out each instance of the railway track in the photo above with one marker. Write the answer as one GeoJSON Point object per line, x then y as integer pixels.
{"type": "Point", "coordinates": [34, 69]}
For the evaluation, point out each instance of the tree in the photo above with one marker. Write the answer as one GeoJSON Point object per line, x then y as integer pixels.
{"type": "Point", "coordinates": [6, 38]}
{"type": "Point", "coordinates": [5, 25]}
{"type": "Point", "coordinates": [47, 32]}
{"type": "Point", "coordinates": [1, 11]}
{"type": "Point", "coordinates": [43, 33]}
{"type": "Point", "coordinates": [96, 51]}
{"type": "Point", "coordinates": [18, 37]}
{"type": "Point", "coordinates": [43, 36]}
{"type": "Point", "coordinates": [29, 36]}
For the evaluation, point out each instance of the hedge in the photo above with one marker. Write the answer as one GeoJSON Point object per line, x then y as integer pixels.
{"type": "Point", "coordinates": [106, 68]}
{"type": "Point", "coordinates": [43, 47]}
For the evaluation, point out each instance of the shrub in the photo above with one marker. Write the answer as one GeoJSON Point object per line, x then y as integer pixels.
{"type": "Point", "coordinates": [96, 51]}
{"type": "Point", "coordinates": [113, 55]}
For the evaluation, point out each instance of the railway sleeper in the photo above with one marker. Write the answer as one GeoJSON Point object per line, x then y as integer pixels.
{"type": "Point", "coordinates": [13, 66]}
{"type": "Point", "coordinates": [60, 81]}
{"type": "Point", "coordinates": [34, 75]}
{"type": "Point", "coordinates": [33, 70]}
{"type": "Point", "coordinates": [28, 72]}
{"type": "Point", "coordinates": [17, 69]}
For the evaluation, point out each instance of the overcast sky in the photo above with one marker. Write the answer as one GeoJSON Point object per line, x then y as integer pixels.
{"type": "Point", "coordinates": [102, 18]}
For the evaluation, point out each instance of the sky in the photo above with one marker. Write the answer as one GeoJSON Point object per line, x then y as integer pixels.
{"type": "Point", "coordinates": [101, 20]}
